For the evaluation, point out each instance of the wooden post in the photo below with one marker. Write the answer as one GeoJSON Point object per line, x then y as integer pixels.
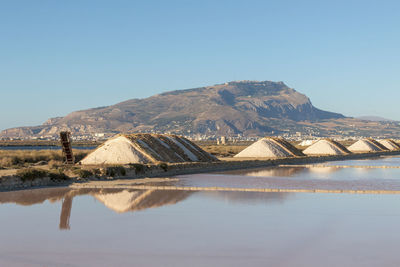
{"type": "Point", "coordinates": [65, 138]}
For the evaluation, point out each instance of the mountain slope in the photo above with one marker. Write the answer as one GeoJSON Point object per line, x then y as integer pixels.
{"type": "Point", "coordinates": [246, 107]}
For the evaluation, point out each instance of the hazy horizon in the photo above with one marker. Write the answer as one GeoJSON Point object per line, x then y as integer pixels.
{"type": "Point", "coordinates": [59, 57]}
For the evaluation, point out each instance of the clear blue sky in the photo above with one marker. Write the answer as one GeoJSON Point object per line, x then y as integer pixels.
{"type": "Point", "coordinates": [61, 56]}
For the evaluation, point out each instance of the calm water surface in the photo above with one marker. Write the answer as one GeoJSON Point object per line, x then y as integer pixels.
{"type": "Point", "coordinates": [379, 161]}
{"type": "Point", "coordinates": [62, 227]}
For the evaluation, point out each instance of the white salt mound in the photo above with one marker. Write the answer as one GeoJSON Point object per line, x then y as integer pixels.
{"type": "Point", "coordinates": [307, 142]}
{"type": "Point", "coordinates": [389, 144]}
{"type": "Point", "coordinates": [364, 145]}
{"type": "Point", "coordinates": [325, 147]}
{"type": "Point", "coordinates": [264, 148]}
{"type": "Point", "coordinates": [187, 151]}
{"type": "Point", "coordinates": [116, 151]}
{"type": "Point", "coordinates": [146, 148]}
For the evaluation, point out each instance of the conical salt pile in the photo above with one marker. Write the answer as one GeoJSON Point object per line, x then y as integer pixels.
{"type": "Point", "coordinates": [326, 147]}
{"type": "Point", "coordinates": [389, 144]}
{"type": "Point", "coordinates": [307, 142]}
{"type": "Point", "coordinates": [147, 148]}
{"type": "Point", "coordinates": [365, 145]}
{"type": "Point", "coordinates": [287, 146]}
{"type": "Point", "coordinates": [270, 147]}
{"type": "Point", "coordinates": [377, 144]}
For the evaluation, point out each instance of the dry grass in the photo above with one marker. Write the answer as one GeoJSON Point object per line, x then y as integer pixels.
{"type": "Point", "coordinates": [12, 143]}
{"type": "Point", "coordinates": [223, 150]}
{"type": "Point", "coordinates": [14, 158]}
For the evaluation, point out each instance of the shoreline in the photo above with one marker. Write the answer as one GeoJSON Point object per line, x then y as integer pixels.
{"type": "Point", "coordinates": [13, 183]}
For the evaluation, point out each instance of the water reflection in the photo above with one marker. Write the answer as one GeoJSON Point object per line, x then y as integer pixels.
{"type": "Point", "coordinates": [135, 200]}
{"type": "Point", "coordinates": [249, 197]}
{"type": "Point", "coordinates": [65, 212]}
{"type": "Point", "coordinates": [126, 200]}
{"type": "Point", "coordinates": [35, 196]}
{"type": "Point", "coordinates": [283, 171]}
{"type": "Point", "coordinates": [207, 228]}
{"type": "Point", "coordinates": [118, 200]}
{"type": "Point", "coordinates": [378, 161]}
{"type": "Point", "coordinates": [323, 170]}
{"type": "Point", "coordinates": [267, 172]}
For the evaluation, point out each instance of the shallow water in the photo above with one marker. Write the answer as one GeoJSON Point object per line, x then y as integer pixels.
{"type": "Point", "coordinates": [379, 161]}
{"type": "Point", "coordinates": [121, 227]}
{"type": "Point", "coordinates": [300, 178]}
{"type": "Point", "coordinates": [319, 173]}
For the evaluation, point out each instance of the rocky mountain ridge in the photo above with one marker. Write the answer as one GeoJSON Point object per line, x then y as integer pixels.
{"type": "Point", "coordinates": [235, 108]}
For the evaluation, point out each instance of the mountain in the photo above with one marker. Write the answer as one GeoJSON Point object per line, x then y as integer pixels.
{"type": "Point", "coordinates": [245, 107]}
{"type": "Point", "coordinates": [233, 108]}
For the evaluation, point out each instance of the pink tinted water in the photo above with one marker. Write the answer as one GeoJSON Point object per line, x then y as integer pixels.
{"type": "Point", "coordinates": [59, 227]}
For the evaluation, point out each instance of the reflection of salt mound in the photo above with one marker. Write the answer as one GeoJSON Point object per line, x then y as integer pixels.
{"type": "Point", "coordinates": [248, 197]}
{"type": "Point", "coordinates": [323, 169]}
{"type": "Point", "coordinates": [270, 147]}
{"type": "Point", "coordinates": [121, 201]}
{"type": "Point", "coordinates": [274, 172]}
{"type": "Point", "coordinates": [326, 147]}
{"type": "Point", "coordinates": [389, 144]}
{"type": "Point", "coordinates": [147, 148]}
{"type": "Point", "coordinates": [365, 145]}
{"type": "Point", "coordinates": [125, 200]}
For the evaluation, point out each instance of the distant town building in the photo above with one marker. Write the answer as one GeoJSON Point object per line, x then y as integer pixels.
{"type": "Point", "coordinates": [223, 140]}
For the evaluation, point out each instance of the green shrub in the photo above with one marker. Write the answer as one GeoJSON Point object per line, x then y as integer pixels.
{"type": "Point", "coordinates": [58, 175]}
{"type": "Point", "coordinates": [110, 172]}
{"type": "Point", "coordinates": [115, 171]}
{"type": "Point", "coordinates": [82, 173]}
{"type": "Point", "coordinates": [31, 174]}
{"type": "Point", "coordinates": [163, 166]}
{"type": "Point", "coordinates": [138, 167]}
{"type": "Point", "coordinates": [96, 172]}
{"type": "Point", "coordinates": [85, 173]}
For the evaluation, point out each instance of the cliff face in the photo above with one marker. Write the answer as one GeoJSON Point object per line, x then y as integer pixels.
{"type": "Point", "coordinates": [246, 107]}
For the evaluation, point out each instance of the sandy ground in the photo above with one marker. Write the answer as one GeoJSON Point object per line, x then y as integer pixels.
{"type": "Point", "coordinates": [118, 183]}
{"type": "Point", "coordinates": [275, 185]}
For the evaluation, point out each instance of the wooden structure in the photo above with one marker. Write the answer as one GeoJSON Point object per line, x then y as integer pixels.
{"type": "Point", "coordinates": [65, 138]}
